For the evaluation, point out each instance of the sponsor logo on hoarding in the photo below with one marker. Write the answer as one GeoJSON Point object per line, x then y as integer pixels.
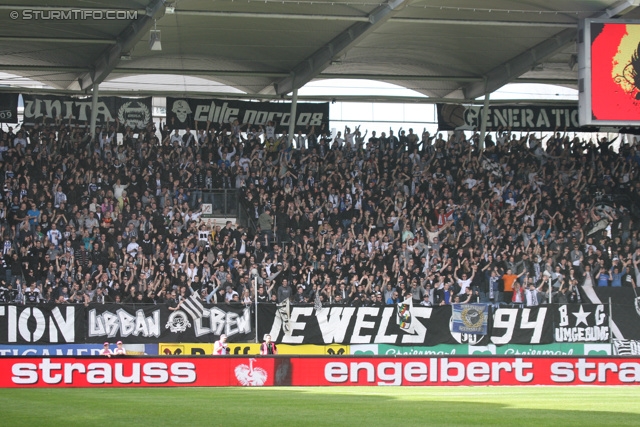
{"type": "Point", "coordinates": [250, 375]}
{"type": "Point", "coordinates": [442, 370]}
{"type": "Point", "coordinates": [53, 371]}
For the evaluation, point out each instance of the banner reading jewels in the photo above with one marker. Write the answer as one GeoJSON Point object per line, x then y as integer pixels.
{"type": "Point", "coordinates": [377, 325]}
{"type": "Point", "coordinates": [132, 112]}
{"type": "Point", "coordinates": [8, 108]}
{"type": "Point", "coordinates": [183, 112]}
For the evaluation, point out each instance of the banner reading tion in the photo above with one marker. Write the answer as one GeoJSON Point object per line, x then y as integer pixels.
{"type": "Point", "coordinates": [314, 371]}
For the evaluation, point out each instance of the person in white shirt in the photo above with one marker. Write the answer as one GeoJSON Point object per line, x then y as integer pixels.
{"type": "Point", "coordinates": [531, 296]}
{"type": "Point", "coordinates": [221, 347]}
{"type": "Point", "coordinates": [133, 247]}
{"type": "Point", "coordinates": [176, 138]}
{"type": "Point", "coordinates": [54, 235]}
{"type": "Point", "coordinates": [463, 282]}
{"type": "Point", "coordinates": [106, 351]}
{"type": "Point", "coordinates": [120, 350]}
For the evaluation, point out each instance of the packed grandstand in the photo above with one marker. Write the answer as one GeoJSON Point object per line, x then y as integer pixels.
{"type": "Point", "coordinates": [356, 218]}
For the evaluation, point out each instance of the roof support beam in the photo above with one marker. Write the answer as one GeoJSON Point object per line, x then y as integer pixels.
{"type": "Point", "coordinates": [236, 73]}
{"type": "Point", "coordinates": [315, 98]}
{"type": "Point", "coordinates": [512, 69]}
{"type": "Point", "coordinates": [56, 40]}
{"type": "Point", "coordinates": [306, 70]}
{"type": "Point", "coordinates": [361, 18]}
{"type": "Point", "coordinates": [126, 40]}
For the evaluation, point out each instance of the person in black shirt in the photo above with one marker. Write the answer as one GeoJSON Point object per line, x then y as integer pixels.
{"type": "Point", "coordinates": [262, 295]}
{"type": "Point", "coordinates": [7, 292]}
{"type": "Point", "coordinates": [32, 295]}
{"type": "Point", "coordinates": [268, 346]}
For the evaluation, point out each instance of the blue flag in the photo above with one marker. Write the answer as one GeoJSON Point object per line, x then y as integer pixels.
{"type": "Point", "coordinates": [470, 318]}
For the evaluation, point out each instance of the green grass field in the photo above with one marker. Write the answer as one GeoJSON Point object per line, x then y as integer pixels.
{"type": "Point", "coordinates": [322, 406]}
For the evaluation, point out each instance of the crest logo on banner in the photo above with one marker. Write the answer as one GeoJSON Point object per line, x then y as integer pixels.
{"type": "Point", "coordinates": [181, 109]}
{"type": "Point", "coordinates": [470, 318]}
{"type": "Point", "coordinates": [178, 322]}
{"type": "Point", "coordinates": [134, 114]}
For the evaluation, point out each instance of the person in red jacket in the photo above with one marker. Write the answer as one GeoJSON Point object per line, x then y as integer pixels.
{"type": "Point", "coordinates": [268, 346]}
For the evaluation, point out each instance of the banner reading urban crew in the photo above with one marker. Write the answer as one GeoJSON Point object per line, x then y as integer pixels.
{"type": "Point", "coordinates": [8, 108]}
{"type": "Point", "coordinates": [518, 117]}
{"type": "Point", "coordinates": [132, 112]}
{"type": "Point", "coordinates": [183, 112]}
{"type": "Point", "coordinates": [156, 323]}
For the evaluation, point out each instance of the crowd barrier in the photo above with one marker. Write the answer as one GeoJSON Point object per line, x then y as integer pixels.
{"type": "Point", "coordinates": [143, 371]}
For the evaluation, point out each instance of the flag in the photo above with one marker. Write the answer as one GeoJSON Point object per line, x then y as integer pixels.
{"type": "Point", "coordinates": [317, 303]}
{"type": "Point", "coordinates": [193, 306]}
{"type": "Point", "coordinates": [284, 314]}
{"type": "Point", "coordinates": [404, 314]}
{"type": "Point", "coordinates": [470, 318]}
{"type": "Point", "coordinates": [626, 347]}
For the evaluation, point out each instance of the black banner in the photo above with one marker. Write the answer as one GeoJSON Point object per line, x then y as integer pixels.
{"type": "Point", "coordinates": [518, 117]}
{"type": "Point", "coordinates": [133, 112]}
{"type": "Point", "coordinates": [625, 309]}
{"type": "Point", "coordinates": [156, 323]}
{"type": "Point", "coordinates": [183, 112]}
{"type": "Point", "coordinates": [197, 322]}
{"type": "Point", "coordinates": [532, 325]}
{"type": "Point", "coordinates": [582, 323]}
{"type": "Point", "coordinates": [378, 325]}
{"type": "Point", "coordinates": [43, 324]}
{"type": "Point", "coordinates": [8, 108]}
{"type": "Point", "coordinates": [351, 325]}
{"type": "Point", "coordinates": [626, 321]}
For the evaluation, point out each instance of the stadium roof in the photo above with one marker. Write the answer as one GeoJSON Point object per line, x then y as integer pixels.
{"type": "Point", "coordinates": [456, 49]}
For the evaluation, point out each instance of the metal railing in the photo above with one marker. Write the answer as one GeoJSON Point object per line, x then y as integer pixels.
{"type": "Point", "coordinates": [225, 203]}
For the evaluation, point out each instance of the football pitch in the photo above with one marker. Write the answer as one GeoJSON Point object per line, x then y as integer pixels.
{"type": "Point", "coordinates": [322, 406]}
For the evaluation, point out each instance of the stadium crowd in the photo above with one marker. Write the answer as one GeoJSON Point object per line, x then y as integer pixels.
{"type": "Point", "coordinates": [351, 218]}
